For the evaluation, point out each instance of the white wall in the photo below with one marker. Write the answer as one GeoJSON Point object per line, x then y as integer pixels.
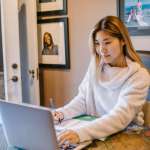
{"type": "Point", "coordinates": [141, 42]}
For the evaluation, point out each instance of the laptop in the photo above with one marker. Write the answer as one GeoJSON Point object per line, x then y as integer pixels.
{"type": "Point", "coordinates": [28, 127]}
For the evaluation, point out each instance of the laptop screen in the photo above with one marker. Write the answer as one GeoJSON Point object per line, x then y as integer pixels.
{"type": "Point", "coordinates": [28, 127]}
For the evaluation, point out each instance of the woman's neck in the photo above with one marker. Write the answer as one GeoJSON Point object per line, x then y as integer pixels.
{"type": "Point", "coordinates": [120, 63]}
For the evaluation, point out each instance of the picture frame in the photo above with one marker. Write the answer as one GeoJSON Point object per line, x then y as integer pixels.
{"type": "Point", "coordinates": [51, 7]}
{"type": "Point", "coordinates": [136, 16]}
{"type": "Point", "coordinates": [53, 43]}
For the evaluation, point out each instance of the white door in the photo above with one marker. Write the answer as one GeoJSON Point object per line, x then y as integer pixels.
{"type": "Point", "coordinates": [20, 50]}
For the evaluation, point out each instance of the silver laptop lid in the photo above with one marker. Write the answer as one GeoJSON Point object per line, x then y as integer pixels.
{"type": "Point", "coordinates": [28, 127]}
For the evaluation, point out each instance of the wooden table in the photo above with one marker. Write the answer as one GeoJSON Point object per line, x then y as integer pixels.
{"type": "Point", "coordinates": [119, 141]}
{"type": "Point", "coordinates": [122, 141]}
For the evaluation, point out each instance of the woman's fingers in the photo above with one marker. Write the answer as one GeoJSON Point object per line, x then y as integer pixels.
{"type": "Point", "coordinates": [58, 116]}
{"type": "Point", "coordinates": [70, 136]}
{"type": "Point", "coordinates": [62, 137]}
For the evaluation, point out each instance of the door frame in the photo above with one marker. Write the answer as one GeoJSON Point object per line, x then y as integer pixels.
{"type": "Point", "coordinates": [11, 49]}
{"type": "Point", "coordinates": [13, 91]}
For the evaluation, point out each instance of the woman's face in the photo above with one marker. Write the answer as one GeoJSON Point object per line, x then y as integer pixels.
{"type": "Point", "coordinates": [109, 48]}
{"type": "Point", "coordinates": [47, 39]}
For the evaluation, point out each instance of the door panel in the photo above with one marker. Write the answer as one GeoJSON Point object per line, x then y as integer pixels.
{"type": "Point", "coordinates": [24, 54]}
{"type": "Point", "coordinates": [32, 50]}
{"type": "Point", "coordinates": [19, 35]}
{"type": "Point", "coordinates": [11, 54]}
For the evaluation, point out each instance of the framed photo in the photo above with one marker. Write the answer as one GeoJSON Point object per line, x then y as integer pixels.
{"type": "Point", "coordinates": [52, 7]}
{"type": "Point", "coordinates": [53, 43]}
{"type": "Point", "coordinates": [136, 15]}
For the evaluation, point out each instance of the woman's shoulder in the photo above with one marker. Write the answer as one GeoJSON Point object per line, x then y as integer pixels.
{"type": "Point", "coordinates": [137, 74]}
{"type": "Point", "coordinates": [45, 51]}
{"type": "Point", "coordinates": [55, 49]}
{"type": "Point", "coordinates": [137, 69]}
{"type": "Point", "coordinates": [140, 77]}
{"type": "Point", "coordinates": [143, 73]}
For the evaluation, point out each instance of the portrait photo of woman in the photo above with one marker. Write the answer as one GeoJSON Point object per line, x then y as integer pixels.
{"type": "Point", "coordinates": [49, 48]}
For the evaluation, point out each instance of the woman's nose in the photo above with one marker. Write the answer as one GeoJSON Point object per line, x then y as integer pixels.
{"type": "Point", "coordinates": [102, 49]}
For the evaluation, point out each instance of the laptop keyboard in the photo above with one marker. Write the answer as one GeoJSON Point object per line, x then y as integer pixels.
{"type": "Point", "coordinates": [68, 147]}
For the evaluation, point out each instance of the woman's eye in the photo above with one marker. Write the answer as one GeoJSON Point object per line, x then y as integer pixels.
{"type": "Point", "coordinates": [96, 43]}
{"type": "Point", "coordinates": [107, 43]}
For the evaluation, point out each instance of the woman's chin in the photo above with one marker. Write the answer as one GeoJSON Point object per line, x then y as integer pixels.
{"type": "Point", "coordinates": [106, 61]}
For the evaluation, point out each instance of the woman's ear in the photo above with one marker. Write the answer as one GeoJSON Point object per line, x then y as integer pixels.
{"type": "Point", "coordinates": [122, 42]}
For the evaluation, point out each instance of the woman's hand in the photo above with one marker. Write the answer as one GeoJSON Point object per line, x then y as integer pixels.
{"type": "Point", "coordinates": [68, 136]}
{"type": "Point", "coordinates": [58, 116]}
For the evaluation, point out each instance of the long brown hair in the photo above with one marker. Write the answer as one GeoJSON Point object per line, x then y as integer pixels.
{"type": "Point", "coordinates": [45, 44]}
{"type": "Point", "coordinates": [115, 28]}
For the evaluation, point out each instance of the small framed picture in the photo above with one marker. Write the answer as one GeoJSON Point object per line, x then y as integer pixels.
{"type": "Point", "coordinates": [51, 7]}
{"type": "Point", "coordinates": [53, 43]}
{"type": "Point", "coordinates": [136, 15]}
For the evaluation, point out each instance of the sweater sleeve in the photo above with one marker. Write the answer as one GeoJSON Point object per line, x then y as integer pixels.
{"type": "Point", "coordinates": [130, 102]}
{"type": "Point", "coordinates": [77, 106]}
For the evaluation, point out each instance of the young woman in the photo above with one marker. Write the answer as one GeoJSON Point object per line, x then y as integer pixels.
{"type": "Point", "coordinates": [49, 48]}
{"type": "Point", "coordinates": [114, 88]}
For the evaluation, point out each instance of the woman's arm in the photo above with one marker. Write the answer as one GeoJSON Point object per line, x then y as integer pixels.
{"type": "Point", "coordinates": [77, 105]}
{"type": "Point", "coordinates": [131, 100]}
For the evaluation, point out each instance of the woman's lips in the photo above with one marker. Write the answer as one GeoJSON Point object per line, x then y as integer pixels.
{"type": "Point", "coordinates": [106, 55]}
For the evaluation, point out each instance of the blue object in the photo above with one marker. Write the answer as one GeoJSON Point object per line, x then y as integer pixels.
{"type": "Point", "coordinates": [14, 148]}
